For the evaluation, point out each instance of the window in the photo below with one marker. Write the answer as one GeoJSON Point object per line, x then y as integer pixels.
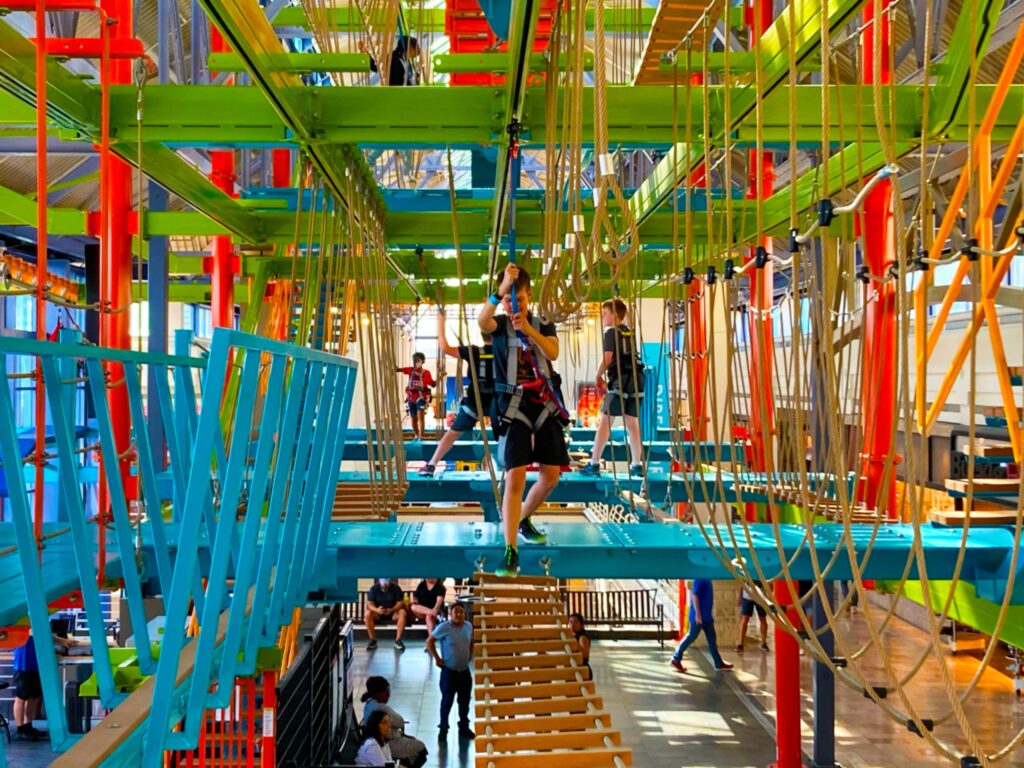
{"type": "Point", "coordinates": [943, 275]}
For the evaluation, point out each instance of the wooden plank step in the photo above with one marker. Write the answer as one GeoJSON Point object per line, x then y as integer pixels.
{"type": "Point", "coordinates": [544, 741]}
{"type": "Point", "coordinates": [520, 606]}
{"type": "Point", "coordinates": [519, 619]}
{"type": "Point", "coordinates": [489, 590]}
{"type": "Point", "coordinates": [518, 676]}
{"type": "Point", "coordinates": [573, 704]}
{"type": "Point", "coordinates": [550, 723]}
{"type": "Point", "coordinates": [521, 647]}
{"type": "Point", "coordinates": [958, 518]}
{"type": "Point", "coordinates": [536, 691]}
{"type": "Point", "coordinates": [486, 579]}
{"type": "Point", "coordinates": [1008, 486]}
{"type": "Point", "coordinates": [493, 635]}
{"type": "Point", "coordinates": [536, 661]}
{"type": "Point", "coordinates": [582, 758]}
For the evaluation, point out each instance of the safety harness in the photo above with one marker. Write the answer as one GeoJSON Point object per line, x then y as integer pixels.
{"type": "Point", "coordinates": [627, 386]}
{"type": "Point", "coordinates": [484, 380]}
{"type": "Point", "coordinates": [416, 391]}
{"type": "Point", "coordinates": [542, 390]}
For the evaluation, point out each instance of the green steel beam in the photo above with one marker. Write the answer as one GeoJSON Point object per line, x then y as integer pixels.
{"type": "Point", "coordinates": [347, 18]}
{"type": "Point", "coordinates": [974, 27]}
{"type": "Point", "coordinates": [777, 46]}
{"type": "Point", "coordinates": [495, 62]}
{"type": "Point", "coordinates": [241, 116]}
{"type": "Point", "coordinates": [295, 63]}
{"type": "Point", "coordinates": [17, 210]}
{"type": "Point", "coordinates": [189, 293]}
{"type": "Point", "coordinates": [739, 61]}
{"type": "Point", "coordinates": [255, 42]}
{"type": "Point", "coordinates": [73, 106]}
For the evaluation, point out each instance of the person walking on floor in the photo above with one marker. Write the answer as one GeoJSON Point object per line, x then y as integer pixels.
{"type": "Point", "coordinates": [451, 645]}
{"type": "Point", "coordinates": [702, 619]}
{"type": "Point", "coordinates": [747, 607]}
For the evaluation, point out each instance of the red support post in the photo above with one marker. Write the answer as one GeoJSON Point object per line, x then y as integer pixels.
{"type": "Point", "coordinates": [877, 485]}
{"type": "Point", "coordinates": [222, 174]}
{"type": "Point", "coordinates": [41, 268]}
{"type": "Point", "coordinates": [115, 249]}
{"type": "Point", "coordinates": [269, 737]}
{"type": "Point", "coordinates": [787, 686]}
{"type": "Point", "coordinates": [282, 167]}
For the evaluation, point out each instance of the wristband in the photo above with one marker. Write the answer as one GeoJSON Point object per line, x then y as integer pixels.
{"type": "Point", "coordinates": [494, 299]}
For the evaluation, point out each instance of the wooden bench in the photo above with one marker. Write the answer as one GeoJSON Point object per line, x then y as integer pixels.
{"type": "Point", "coordinates": [621, 608]}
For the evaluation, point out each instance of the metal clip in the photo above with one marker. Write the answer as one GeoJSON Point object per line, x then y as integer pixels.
{"type": "Point", "coordinates": [545, 563]}
{"type": "Point", "coordinates": [605, 164]}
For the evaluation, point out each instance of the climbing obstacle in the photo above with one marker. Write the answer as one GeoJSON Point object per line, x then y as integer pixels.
{"type": "Point", "coordinates": [536, 705]}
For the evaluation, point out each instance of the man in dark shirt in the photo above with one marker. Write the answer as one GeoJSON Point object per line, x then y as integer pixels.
{"type": "Point", "coordinates": [428, 600]}
{"type": "Point", "coordinates": [623, 388]}
{"type": "Point", "coordinates": [385, 601]}
{"type": "Point", "coordinates": [481, 375]}
{"type": "Point", "coordinates": [525, 412]}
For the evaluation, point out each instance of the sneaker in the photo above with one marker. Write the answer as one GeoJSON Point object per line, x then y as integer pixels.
{"type": "Point", "coordinates": [29, 733]}
{"type": "Point", "coordinates": [399, 645]}
{"type": "Point", "coordinates": [509, 567]}
{"type": "Point", "coordinates": [739, 648]}
{"type": "Point", "coordinates": [677, 666]}
{"type": "Point", "coordinates": [724, 665]}
{"type": "Point", "coordinates": [590, 469]}
{"type": "Point", "coordinates": [427, 470]}
{"type": "Point", "coordinates": [764, 647]}
{"type": "Point", "coordinates": [466, 733]}
{"type": "Point", "coordinates": [531, 533]}
{"type": "Point", "coordinates": [372, 645]}
{"type": "Point", "coordinates": [636, 470]}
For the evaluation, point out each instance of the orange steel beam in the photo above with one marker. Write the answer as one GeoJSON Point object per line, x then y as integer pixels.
{"type": "Point", "coordinates": [925, 349]}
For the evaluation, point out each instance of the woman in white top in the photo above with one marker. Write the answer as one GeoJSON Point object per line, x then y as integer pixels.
{"type": "Point", "coordinates": [406, 749]}
{"type": "Point", "coordinates": [374, 751]}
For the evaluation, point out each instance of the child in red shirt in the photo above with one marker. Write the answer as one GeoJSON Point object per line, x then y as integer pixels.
{"type": "Point", "coordinates": [417, 392]}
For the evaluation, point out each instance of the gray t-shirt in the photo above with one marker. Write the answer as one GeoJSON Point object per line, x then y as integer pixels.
{"type": "Point", "coordinates": [454, 645]}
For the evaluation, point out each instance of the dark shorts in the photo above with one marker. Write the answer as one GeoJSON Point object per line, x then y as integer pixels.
{"type": "Point", "coordinates": [465, 418]}
{"type": "Point", "coordinates": [613, 405]}
{"type": "Point", "coordinates": [519, 446]}
{"type": "Point", "coordinates": [747, 608]}
{"type": "Point", "coordinates": [415, 406]}
{"type": "Point", "coordinates": [27, 685]}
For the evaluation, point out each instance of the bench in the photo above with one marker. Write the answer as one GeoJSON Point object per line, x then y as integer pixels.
{"type": "Point", "coordinates": [621, 608]}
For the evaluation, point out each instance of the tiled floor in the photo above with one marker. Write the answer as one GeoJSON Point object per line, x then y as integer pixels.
{"type": "Point", "coordinates": [701, 719]}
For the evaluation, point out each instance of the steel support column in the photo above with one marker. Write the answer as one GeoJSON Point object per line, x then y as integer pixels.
{"type": "Point", "coordinates": [877, 488]}
{"type": "Point", "coordinates": [222, 174]}
{"type": "Point", "coordinates": [41, 269]}
{"type": "Point", "coordinates": [157, 280]}
{"type": "Point", "coordinates": [115, 260]}
{"type": "Point", "coordinates": [824, 686]}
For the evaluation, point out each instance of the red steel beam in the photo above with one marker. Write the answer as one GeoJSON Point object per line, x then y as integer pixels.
{"type": "Point", "coordinates": [42, 271]}
{"type": "Point", "coordinates": [115, 249]}
{"type": "Point", "coordinates": [92, 47]}
{"type": "Point", "coordinates": [222, 174]}
{"type": "Point", "coordinates": [877, 485]}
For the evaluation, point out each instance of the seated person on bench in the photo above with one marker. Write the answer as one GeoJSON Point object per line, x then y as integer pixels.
{"type": "Point", "coordinates": [374, 751]}
{"type": "Point", "coordinates": [408, 750]}
{"type": "Point", "coordinates": [385, 601]}
{"type": "Point", "coordinates": [428, 600]}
